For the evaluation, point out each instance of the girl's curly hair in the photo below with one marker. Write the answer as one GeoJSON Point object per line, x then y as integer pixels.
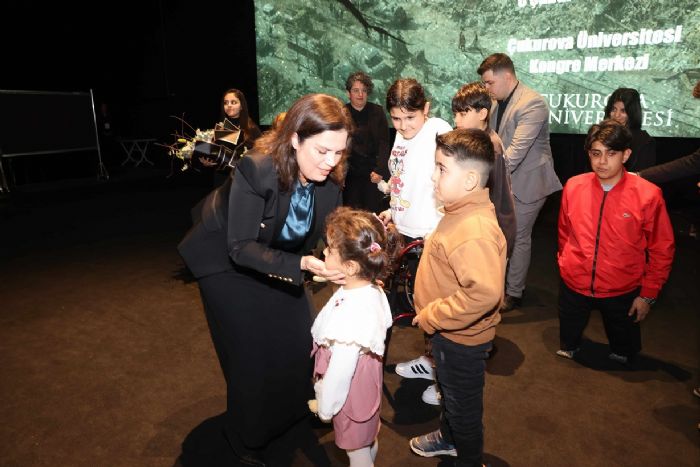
{"type": "Point", "coordinates": [360, 236]}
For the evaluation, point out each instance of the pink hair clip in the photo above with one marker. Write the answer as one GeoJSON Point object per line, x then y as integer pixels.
{"type": "Point", "coordinates": [374, 247]}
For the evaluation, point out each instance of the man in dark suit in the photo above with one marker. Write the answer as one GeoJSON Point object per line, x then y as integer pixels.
{"type": "Point", "coordinates": [520, 116]}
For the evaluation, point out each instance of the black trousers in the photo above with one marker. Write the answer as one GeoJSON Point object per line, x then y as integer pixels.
{"type": "Point", "coordinates": [460, 375]}
{"type": "Point", "coordinates": [261, 333]}
{"type": "Point", "coordinates": [624, 335]}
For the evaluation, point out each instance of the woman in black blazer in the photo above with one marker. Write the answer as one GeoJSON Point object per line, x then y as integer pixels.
{"type": "Point", "coordinates": [249, 250]}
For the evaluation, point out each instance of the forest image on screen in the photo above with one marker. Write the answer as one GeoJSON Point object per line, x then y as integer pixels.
{"type": "Point", "coordinates": [574, 52]}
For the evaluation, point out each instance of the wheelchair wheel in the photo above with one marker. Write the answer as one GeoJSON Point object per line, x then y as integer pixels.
{"type": "Point", "coordinates": [401, 285]}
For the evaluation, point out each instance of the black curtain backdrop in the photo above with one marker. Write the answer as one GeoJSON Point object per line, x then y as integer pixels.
{"type": "Point", "coordinates": [152, 59]}
{"type": "Point", "coordinates": [144, 60]}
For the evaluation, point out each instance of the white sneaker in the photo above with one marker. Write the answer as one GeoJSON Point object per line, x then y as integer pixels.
{"type": "Point", "coordinates": [420, 367]}
{"type": "Point", "coordinates": [431, 395]}
{"type": "Point", "coordinates": [567, 353]}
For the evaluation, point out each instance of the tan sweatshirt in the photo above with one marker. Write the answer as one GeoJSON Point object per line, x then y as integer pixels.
{"type": "Point", "coordinates": [461, 274]}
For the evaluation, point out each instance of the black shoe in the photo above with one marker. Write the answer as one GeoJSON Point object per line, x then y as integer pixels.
{"type": "Point", "coordinates": [250, 459]}
{"type": "Point", "coordinates": [244, 455]}
{"type": "Point", "coordinates": [627, 361]}
{"type": "Point", "coordinates": [510, 303]}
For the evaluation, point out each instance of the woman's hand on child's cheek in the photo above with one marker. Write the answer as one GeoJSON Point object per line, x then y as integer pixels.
{"type": "Point", "coordinates": [335, 276]}
{"type": "Point", "coordinates": [318, 269]}
{"type": "Point", "coordinates": [312, 264]}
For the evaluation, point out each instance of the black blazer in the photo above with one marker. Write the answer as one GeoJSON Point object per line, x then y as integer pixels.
{"type": "Point", "coordinates": [239, 220]}
{"type": "Point", "coordinates": [643, 151]}
{"type": "Point", "coordinates": [374, 150]}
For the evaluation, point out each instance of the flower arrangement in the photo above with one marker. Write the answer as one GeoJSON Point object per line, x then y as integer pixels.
{"type": "Point", "coordinates": [209, 148]}
{"type": "Point", "coordinates": [184, 152]}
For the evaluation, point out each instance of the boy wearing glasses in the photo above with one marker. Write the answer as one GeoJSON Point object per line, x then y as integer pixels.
{"type": "Point", "coordinates": [615, 246]}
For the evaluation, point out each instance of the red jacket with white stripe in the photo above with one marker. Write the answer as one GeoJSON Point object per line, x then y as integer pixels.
{"type": "Point", "coordinates": [612, 242]}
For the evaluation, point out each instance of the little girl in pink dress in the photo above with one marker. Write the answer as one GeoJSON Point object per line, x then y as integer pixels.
{"type": "Point", "coordinates": [349, 332]}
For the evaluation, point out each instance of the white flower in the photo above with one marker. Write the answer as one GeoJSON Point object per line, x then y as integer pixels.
{"type": "Point", "coordinates": [183, 147]}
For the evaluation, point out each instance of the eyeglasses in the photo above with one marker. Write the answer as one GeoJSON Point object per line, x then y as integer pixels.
{"type": "Point", "coordinates": [358, 91]}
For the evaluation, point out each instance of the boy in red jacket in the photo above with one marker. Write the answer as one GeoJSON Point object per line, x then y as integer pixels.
{"type": "Point", "coordinates": [615, 246]}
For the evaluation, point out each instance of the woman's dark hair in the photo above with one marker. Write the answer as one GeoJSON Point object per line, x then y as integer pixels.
{"type": "Point", "coordinates": [363, 78]}
{"type": "Point", "coordinates": [250, 130]}
{"type": "Point", "coordinates": [609, 133]}
{"type": "Point", "coordinates": [633, 106]}
{"type": "Point", "coordinates": [308, 116]}
{"type": "Point", "coordinates": [407, 94]}
{"type": "Point", "coordinates": [360, 236]}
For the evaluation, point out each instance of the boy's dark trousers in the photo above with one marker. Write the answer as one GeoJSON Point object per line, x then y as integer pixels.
{"type": "Point", "coordinates": [460, 375]}
{"type": "Point", "coordinates": [623, 333]}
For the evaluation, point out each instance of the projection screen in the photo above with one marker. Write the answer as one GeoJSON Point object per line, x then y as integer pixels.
{"type": "Point", "coordinates": [574, 52]}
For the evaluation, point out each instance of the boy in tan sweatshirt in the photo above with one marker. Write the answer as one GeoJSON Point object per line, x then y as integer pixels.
{"type": "Point", "coordinates": [458, 292]}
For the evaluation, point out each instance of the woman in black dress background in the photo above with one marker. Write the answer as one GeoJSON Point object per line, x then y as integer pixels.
{"type": "Point", "coordinates": [234, 108]}
{"type": "Point", "coordinates": [369, 157]}
{"type": "Point", "coordinates": [624, 106]}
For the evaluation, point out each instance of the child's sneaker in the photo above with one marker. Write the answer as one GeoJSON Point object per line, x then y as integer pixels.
{"type": "Point", "coordinates": [420, 367]}
{"type": "Point", "coordinates": [567, 353]}
{"type": "Point", "coordinates": [431, 395]}
{"type": "Point", "coordinates": [432, 445]}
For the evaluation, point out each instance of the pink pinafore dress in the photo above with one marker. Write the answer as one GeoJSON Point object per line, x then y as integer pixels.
{"type": "Point", "coordinates": [357, 424]}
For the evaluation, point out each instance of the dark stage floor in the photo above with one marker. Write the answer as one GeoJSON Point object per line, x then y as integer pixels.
{"type": "Point", "coordinates": [107, 361]}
